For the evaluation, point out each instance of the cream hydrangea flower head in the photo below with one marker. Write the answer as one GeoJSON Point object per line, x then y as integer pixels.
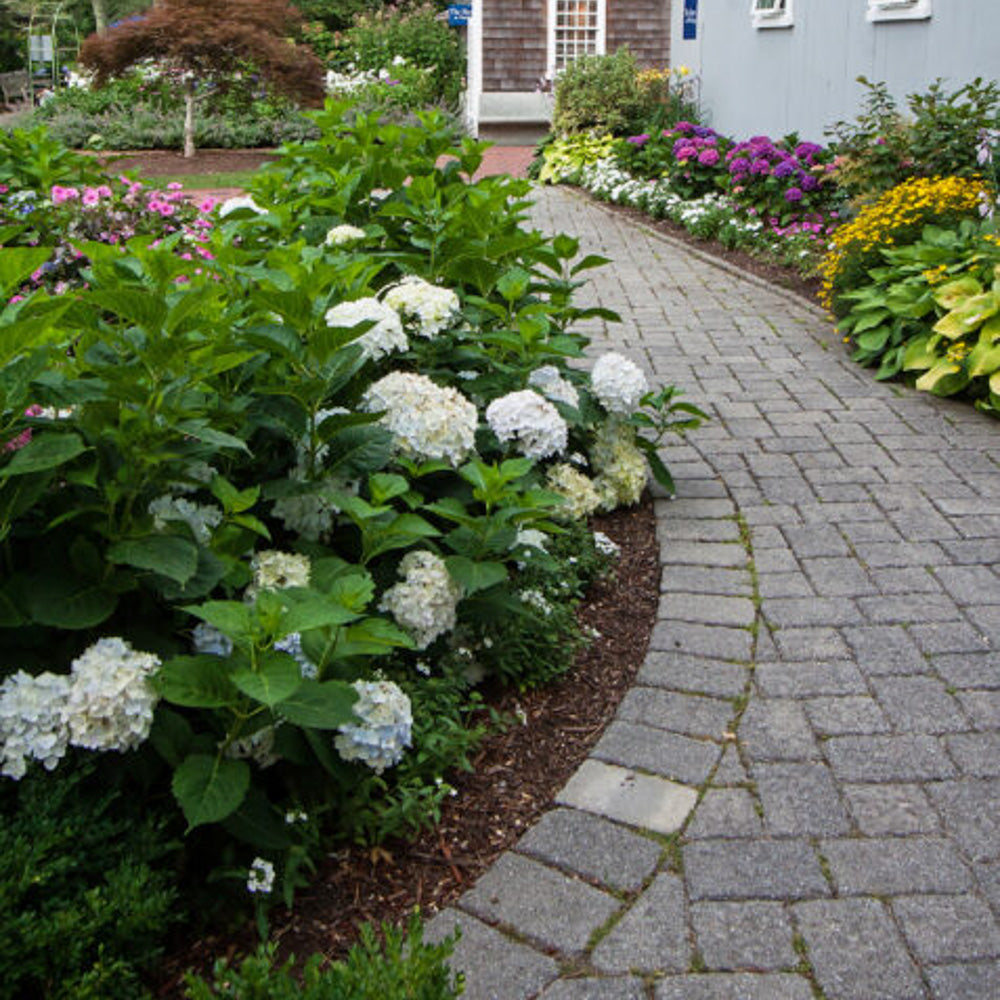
{"type": "Point", "coordinates": [200, 518]}
{"type": "Point", "coordinates": [427, 420]}
{"type": "Point", "coordinates": [618, 383]}
{"type": "Point", "coordinates": [620, 465]}
{"type": "Point", "coordinates": [552, 385]}
{"type": "Point", "coordinates": [577, 490]}
{"type": "Point", "coordinates": [385, 729]}
{"type": "Point", "coordinates": [33, 722]}
{"type": "Point", "coordinates": [344, 235]}
{"type": "Point", "coordinates": [383, 338]}
{"type": "Point", "coordinates": [274, 570]}
{"type": "Point", "coordinates": [530, 421]}
{"type": "Point", "coordinates": [433, 309]}
{"type": "Point", "coordinates": [110, 702]}
{"type": "Point", "coordinates": [425, 602]}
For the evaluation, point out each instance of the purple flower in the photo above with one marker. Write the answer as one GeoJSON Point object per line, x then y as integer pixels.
{"type": "Point", "coordinates": [683, 150]}
{"type": "Point", "coordinates": [708, 157]}
{"type": "Point", "coordinates": [808, 182]}
{"type": "Point", "coordinates": [704, 132]}
{"type": "Point", "coordinates": [784, 169]}
{"type": "Point", "coordinates": [638, 140]}
{"type": "Point", "coordinates": [683, 127]}
{"type": "Point", "coordinates": [739, 166]}
{"type": "Point", "coordinates": [760, 166]}
{"type": "Point", "coordinates": [793, 194]}
{"type": "Point", "coordinates": [807, 150]}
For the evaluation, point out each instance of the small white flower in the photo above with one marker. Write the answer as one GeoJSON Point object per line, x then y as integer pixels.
{"type": "Point", "coordinates": [258, 747]}
{"type": "Point", "coordinates": [606, 546]}
{"type": "Point", "coordinates": [260, 878]}
{"type": "Point", "coordinates": [537, 600]}
{"type": "Point", "coordinates": [296, 816]}
{"type": "Point", "coordinates": [200, 518]}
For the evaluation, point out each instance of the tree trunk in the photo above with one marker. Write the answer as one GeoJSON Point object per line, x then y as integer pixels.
{"type": "Point", "coordinates": [189, 119]}
{"type": "Point", "coordinates": [100, 15]}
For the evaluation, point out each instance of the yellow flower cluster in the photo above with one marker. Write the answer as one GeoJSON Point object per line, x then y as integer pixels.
{"type": "Point", "coordinates": [934, 275]}
{"type": "Point", "coordinates": [958, 352]}
{"type": "Point", "coordinates": [897, 215]}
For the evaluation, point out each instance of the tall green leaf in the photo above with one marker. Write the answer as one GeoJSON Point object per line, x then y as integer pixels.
{"type": "Point", "coordinates": [208, 789]}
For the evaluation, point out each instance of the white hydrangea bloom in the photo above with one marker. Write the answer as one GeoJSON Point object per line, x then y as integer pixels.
{"type": "Point", "coordinates": [274, 570]}
{"type": "Point", "coordinates": [425, 602]}
{"type": "Point", "coordinates": [110, 702]}
{"type": "Point", "coordinates": [618, 383]}
{"type": "Point", "coordinates": [260, 877]}
{"type": "Point", "coordinates": [577, 490]}
{"type": "Point", "coordinates": [32, 722]}
{"type": "Point", "coordinates": [427, 420]}
{"type": "Point", "coordinates": [200, 518]}
{"type": "Point", "coordinates": [433, 308]}
{"type": "Point", "coordinates": [292, 644]}
{"type": "Point", "coordinates": [385, 730]}
{"type": "Point", "coordinates": [258, 747]}
{"type": "Point", "coordinates": [231, 205]}
{"type": "Point", "coordinates": [207, 639]}
{"type": "Point", "coordinates": [309, 515]}
{"type": "Point", "coordinates": [552, 385]}
{"type": "Point", "coordinates": [606, 546]}
{"type": "Point", "coordinates": [620, 465]}
{"type": "Point", "coordinates": [343, 235]}
{"type": "Point", "coordinates": [383, 338]}
{"type": "Point", "coordinates": [529, 420]}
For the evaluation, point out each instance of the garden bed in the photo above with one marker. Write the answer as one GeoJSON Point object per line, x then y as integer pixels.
{"type": "Point", "coordinates": [517, 773]}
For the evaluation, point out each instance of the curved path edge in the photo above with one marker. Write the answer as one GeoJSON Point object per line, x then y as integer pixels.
{"type": "Point", "coordinates": [800, 796]}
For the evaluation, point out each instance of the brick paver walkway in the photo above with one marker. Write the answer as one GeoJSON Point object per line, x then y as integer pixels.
{"type": "Point", "coordinates": [801, 795]}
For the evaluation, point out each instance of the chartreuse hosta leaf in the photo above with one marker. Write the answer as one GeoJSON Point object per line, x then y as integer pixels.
{"type": "Point", "coordinates": [920, 353]}
{"type": "Point", "coordinates": [968, 316]}
{"type": "Point", "coordinates": [944, 379]}
{"type": "Point", "coordinates": [954, 293]}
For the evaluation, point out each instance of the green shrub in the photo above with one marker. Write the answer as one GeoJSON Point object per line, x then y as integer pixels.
{"type": "Point", "coordinates": [404, 967]}
{"type": "Point", "coordinates": [87, 896]}
{"type": "Point", "coordinates": [602, 93]}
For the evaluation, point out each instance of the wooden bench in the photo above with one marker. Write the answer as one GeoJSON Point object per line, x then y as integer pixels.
{"type": "Point", "coordinates": [14, 87]}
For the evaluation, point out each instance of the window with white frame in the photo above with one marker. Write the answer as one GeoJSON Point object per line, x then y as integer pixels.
{"type": "Point", "coordinates": [772, 13]}
{"type": "Point", "coordinates": [899, 10]}
{"type": "Point", "coordinates": [576, 28]}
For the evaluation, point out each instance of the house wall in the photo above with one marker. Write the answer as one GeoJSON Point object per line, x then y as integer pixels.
{"type": "Point", "coordinates": [515, 41]}
{"type": "Point", "coordinates": [514, 44]}
{"type": "Point", "coordinates": [804, 78]}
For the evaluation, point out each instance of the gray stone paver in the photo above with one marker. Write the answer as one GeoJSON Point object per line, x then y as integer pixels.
{"type": "Point", "coordinates": [833, 689]}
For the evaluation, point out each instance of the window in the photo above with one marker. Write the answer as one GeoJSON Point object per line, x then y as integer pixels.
{"type": "Point", "coordinates": [772, 13]}
{"type": "Point", "coordinates": [898, 10]}
{"type": "Point", "coordinates": [576, 28]}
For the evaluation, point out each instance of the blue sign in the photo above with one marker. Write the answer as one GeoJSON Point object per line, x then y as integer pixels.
{"type": "Point", "coordinates": [690, 20]}
{"type": "Point", "coordinates": [459, 14]}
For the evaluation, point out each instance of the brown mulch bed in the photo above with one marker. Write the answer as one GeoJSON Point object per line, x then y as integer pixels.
{"type": "Point", "coordinates": [517, 773]}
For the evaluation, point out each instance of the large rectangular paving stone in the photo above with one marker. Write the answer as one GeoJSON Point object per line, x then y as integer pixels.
{"type": "Point", "coordinates": [734, 986]}
{"type": "Point", "coordinates": [495, 967]}
{"type": "Point", "coordinates": [719, 641]}
{"type": "Point", "coordinates": [777, 729]}
{"type": "Point", "coordinates": [977, 754]}
{"type": "Point", "coordinates": [948, 928]}
{"type": "Point", "coordinates": [800, 799]}
{"type": "Point", "coordinates": [856, 951]}
{"type": "Point", "coordinates": [725, 812]}
{"type": "Point", "coordinates": [888, 758]}
{"type": "Point", "coordinates": [617, 793]}
{"type": "Point", "coordinates": [800, 612]}
{"type": "Point", "coordinates": [680, 672]}
{"type": "Point", "coordinates": [971, 813]}
{"type": "Point", "coordinates": [753, 869]}
{"type": "Point", "coordinates": [813, 679]}
{"type": "Point", "coordinates": [706, 580]}
{"type": "Point", "coordinates": [592, 847]}
{"type": "Point", "coordinates": [605, 988]}
{"type": "Point", "coordinates": [965, 980]}
{"type": "Point", "coordinates": [691, 715]}
{"type": "Point", "coordinates": [539, 903]}
{"type": "Point", "coordinates": [882, 810]}
{"type": "Point", "coordinates": [734, 936]}
{"type": "Point", "coordinates": [687, 760]}
{"type": "Point", "coordinates": [736, 612]}
{"type": "Point", "coordinates": [893, 866]}
{"type": "Point", "coordinates": [652, 936]}
{"type": "Point", "coordinates": [919, 704]}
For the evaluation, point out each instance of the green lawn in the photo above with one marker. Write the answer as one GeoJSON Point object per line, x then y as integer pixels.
{"type": "Point", "coordinates": [193, 182]}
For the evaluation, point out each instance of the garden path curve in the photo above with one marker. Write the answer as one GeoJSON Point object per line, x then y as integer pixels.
{"type": "Point", "coordinates": [800, 797]}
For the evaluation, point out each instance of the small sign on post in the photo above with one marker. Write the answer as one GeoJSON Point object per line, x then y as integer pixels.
{"type": "Point", "coordinates": [459, 14]}
{"type": "Point", "coordinates": [690, 20]}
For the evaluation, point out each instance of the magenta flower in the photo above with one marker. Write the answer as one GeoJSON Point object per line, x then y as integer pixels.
{"type": "Point", "coordinates": [60, 194]}
{"type": "Point", "coordinates": [708, 157]}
